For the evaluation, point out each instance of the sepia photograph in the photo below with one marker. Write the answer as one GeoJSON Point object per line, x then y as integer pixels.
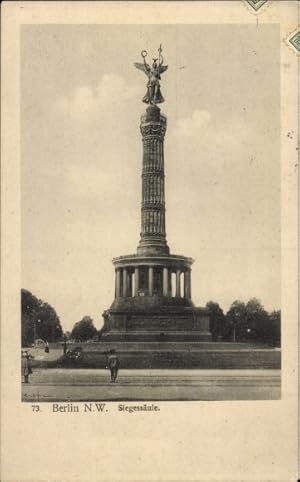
{"type": "Point", "coordinates": [149, 241]}
{"type": "Point", "coordinates": [150, 212]}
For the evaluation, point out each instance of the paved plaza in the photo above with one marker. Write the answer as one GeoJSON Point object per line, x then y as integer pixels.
{"type": "Point", "coordinates": [94, 385]}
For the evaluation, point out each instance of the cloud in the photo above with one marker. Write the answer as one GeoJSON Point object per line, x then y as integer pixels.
{"type": "Point", "coordinates": [191, 126]}
{"type": "Point", "coordinates": [85, 102]}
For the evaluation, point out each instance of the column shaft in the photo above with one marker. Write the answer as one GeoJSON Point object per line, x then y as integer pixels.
{"type": "Point", "coordinates": [125, 282]}
{"type": "Point", "coordinates": [129, 287]}
{"type": "Point", "coordinates": [165, 282]}
{"type": "Point", "coordinates": [153, 234]}
{"type": "Point", "coordinates": [170, 283]}
{"type": "Point", "coordinates": [178, 283]}
{"type": "Point", "coordinates": [187, 284]}
{"type": "Point", "coordinates": [136, 281]}
{"type": "Point", "coordinates": [150, 281]}
{"type": "Point", "coordinates": [118, 283]}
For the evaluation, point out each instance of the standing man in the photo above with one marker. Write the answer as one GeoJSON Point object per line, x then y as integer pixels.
{"type": "Point", "coordinates": [113, 364]}
{"type": "Point", "coordinates": [25, 367]}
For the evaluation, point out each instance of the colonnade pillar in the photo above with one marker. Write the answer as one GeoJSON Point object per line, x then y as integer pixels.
{"type": "Point", "coordinates": [125, 284]}
{"type": "Point", "coordinates": [165, 282]}
{"type": "Point", "coordinates": [187, 284]}
{"type": "Point", "coordinates": [129, 283]}
{"type": "Point", "coordinates": [136, 281]}
{"type": "Point", "coordinates": [150, 281]}
{"type": "Point", "coordinates": [118, 283]}
{"type": "Point", "coordinates": [178, 272]}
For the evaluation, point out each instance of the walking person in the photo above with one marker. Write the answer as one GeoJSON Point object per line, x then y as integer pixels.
{"type": "Point", "coordinates": [24, 368]}
{"type": "Point", "coordinates": [47, 349]}
{"type": "Point", "coordinates": [113, 364]}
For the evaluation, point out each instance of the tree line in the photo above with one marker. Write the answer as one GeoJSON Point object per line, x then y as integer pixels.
{"type": "Point", "coordinates": [243, 322]}
{"type": "Point", "coordinates": [39, 320]}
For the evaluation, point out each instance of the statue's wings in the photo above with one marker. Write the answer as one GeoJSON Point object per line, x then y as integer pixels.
{"type": "Point", "coordinates": [162, 68]}
{"type": "Point", "coordinates": [144, 67]}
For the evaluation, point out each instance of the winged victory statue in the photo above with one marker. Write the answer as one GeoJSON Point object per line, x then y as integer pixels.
{"type": "Point", "coordinates": [153, 94]}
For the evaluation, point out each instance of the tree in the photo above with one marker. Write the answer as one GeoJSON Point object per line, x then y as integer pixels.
{"type": "Point", "coordinates": [265, 327]}
{"type": "Point", "coordinates": [257, 321]}
{"type": "Point", "coordinates": [84, 329]}
{"type": "Point", "coordinates": [275, 328]}
{"type": "Point", "coordinates": [236, 322]}
{"type": "Point", "coordinates": [251, 322]}
{"type": "Point", "coordinates": [217, 320]}
{"type": "Point", "coordinates": [39, 320]}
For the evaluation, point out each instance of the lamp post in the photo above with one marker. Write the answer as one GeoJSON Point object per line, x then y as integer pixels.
{"type": "Point", "coordinates": [234, 337]}
{"type": "Point", "coordinates": [235, 323]}
{"type": "Point", "coordinates": [34, 332]}
{"type": "Point", "coordinates": [34, 329]}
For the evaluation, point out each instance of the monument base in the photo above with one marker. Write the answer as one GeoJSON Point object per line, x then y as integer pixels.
{"type": "Point", "coordinates": [163, 324]}
{"type": "Point", "coordinates": [153, 301]}
{"type": "Point", "coordinates": [146, 336]}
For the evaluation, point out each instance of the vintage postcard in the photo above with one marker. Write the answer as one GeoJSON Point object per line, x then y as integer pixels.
{"type": "Point", "coordinates": [149, 241]}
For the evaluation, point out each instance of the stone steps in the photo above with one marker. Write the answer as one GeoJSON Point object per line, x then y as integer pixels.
{"type": "Point", "coordinates": [158, 359]}
{"type": "Point", "coordinates": [169, 346]}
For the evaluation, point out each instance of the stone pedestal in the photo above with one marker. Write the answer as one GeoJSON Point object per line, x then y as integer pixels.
{"type": "Point", "coordinates": [150, 311]}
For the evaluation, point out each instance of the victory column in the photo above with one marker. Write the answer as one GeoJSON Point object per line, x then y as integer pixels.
{"type": "Point", "coordinates": [146, 308]}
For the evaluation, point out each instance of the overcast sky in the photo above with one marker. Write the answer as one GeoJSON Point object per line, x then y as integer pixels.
{"type": "Point", "coordinates": [82, 159]}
